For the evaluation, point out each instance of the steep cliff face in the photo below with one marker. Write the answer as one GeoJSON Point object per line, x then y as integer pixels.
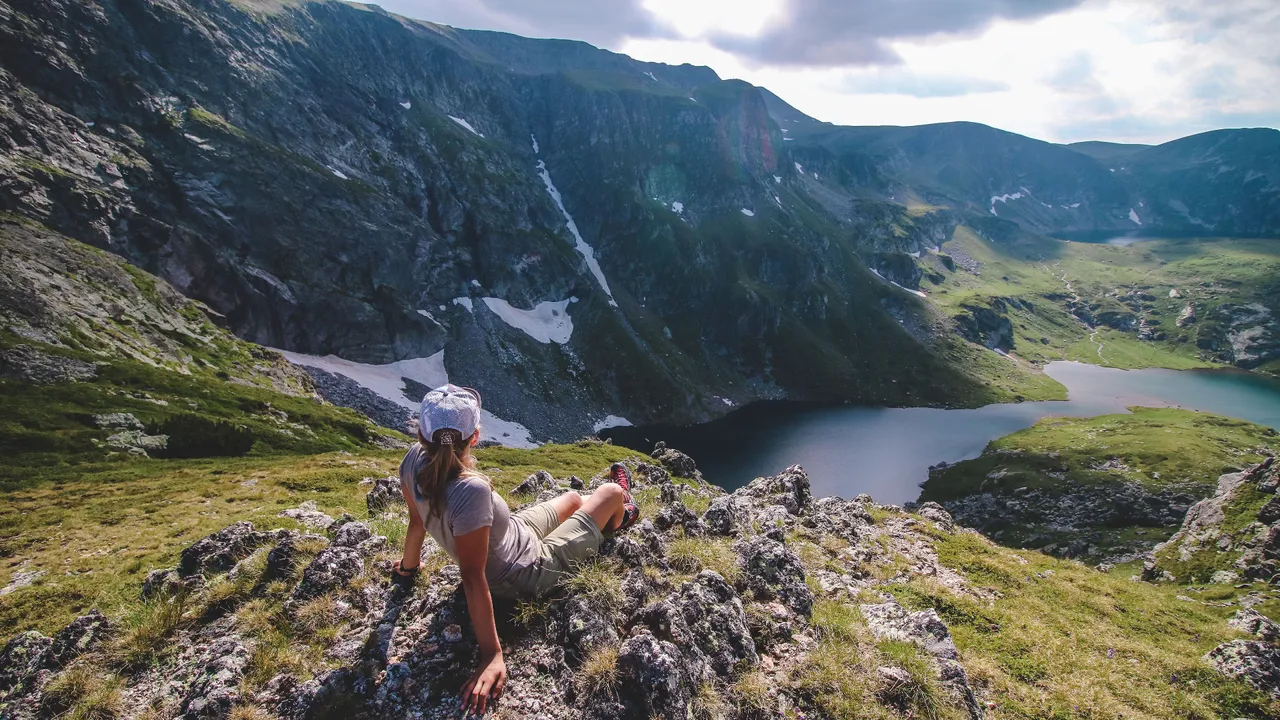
{"type": "Point", "coordinates": [573, 229]}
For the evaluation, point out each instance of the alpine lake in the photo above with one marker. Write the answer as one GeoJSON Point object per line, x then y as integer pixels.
{"type": "Point", "coordinates": [887, 452]}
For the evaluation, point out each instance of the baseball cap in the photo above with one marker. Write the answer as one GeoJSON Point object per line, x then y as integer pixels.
{"type": "Point", "coordinates": [450, 407]}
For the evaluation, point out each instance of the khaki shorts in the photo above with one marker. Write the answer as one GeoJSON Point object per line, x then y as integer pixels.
{"type": "Point", "coordinates": [562, 548]}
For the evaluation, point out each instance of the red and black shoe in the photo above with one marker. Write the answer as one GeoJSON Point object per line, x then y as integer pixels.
{"type": "Point", "coordinates": [619, 474]}
{"type": "Point", "coordinates": [630, 516]}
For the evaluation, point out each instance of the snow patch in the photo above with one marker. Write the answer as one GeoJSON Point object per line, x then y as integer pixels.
{"type": "Point", "coordinates": [785, 130]}
{"type": "Point", "coordinates": [788, 139]}
{"type": "Point", "coordinates": [1133, 215]}
{"type": "Point", "coordinates": [748, 213]}
{"type": "Point", "coordinates": [799, 168]}
{"type": "Point", "coordinates": [1004, 199]}
{"type": "Point", "coordinates": [547, 322]}
{"type": "Point", "coordinates": [677, 207]}
{"type": "Point", "coordinates": [194, 139]}
{"type": "Point", "coordinates": [917, 293]}
{"type": "Point", "coordinates": [651, 77]}
{"type": "Point", "coordinates": [667, 331]}
{"type": "Point", "coordinates": [580, 245]}
{"type": "Point", "coordinates": [610, 421]}
{"type": "Point", "coordinates": [726, 401]}
{"type": "Point", "coordinates": [465, 302]}
{"type": "Point", "coordinates": [535, 143]}
{"type": "Point", "coordinates": [337, 173]}
{"type": "Point", "coordinates": [388, 381]}
{"type": "Point", "coordinates": [777, 200]}
{"type": "Point", "coordinates": [476, 283]}
{"type": "Point", "coordinates": [465, 124]}
{"type": "Point", "coordinates": [777, 179]}
{"type": "Point", "coordinates": [406, 105]}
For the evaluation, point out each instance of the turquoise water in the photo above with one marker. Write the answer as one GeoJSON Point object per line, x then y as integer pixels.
{"type": "Point", "coordinates": [887, 451]}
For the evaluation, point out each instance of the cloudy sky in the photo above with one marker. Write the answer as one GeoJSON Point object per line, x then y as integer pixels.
{"type": "Point", "coordinates": [1061, 70]}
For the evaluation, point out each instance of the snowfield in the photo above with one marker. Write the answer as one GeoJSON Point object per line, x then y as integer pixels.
{"type": "Point", "coordinates": [1133, 215]}
{"type": "Point", "coordinates": [611, 421]}
{"type": "Point", "coordinates": [547, 322]}
{"type": "Point", "coordinates": [748, 213]}
{"type": "Point", "coordinates": [387, 381]}
{"type": "Point", "coordinates": [465, 302]}
{"type": "Point", "coordinates": [1004, 199]}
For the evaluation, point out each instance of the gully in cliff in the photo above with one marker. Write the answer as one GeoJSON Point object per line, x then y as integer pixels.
{"type": "Point", "coordinates": [499, 554]}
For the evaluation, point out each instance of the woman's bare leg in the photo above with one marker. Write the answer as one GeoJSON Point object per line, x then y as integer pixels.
{"type": "Point", "coordinates": [566, 505]}
{"type": "Point", "coordinates": [605, 506]}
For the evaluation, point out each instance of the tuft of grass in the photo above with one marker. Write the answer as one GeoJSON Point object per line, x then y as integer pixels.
{"type": "Point", "coordinates": [709, 704]}
{"type": "Point", "coordinates": [920, 696]}
{"type": "Point", "coordinates": [273, 654]}
{"type": "Point", "coordinates": [750, 694]}
{"type": "Point", "coordinates": [145, 632]}
{"type": "Point", "coordinates": [598, 580]}
{"type": "Point", "coordinates": [249, 712]}
{"type": "Point", "coordinates": [530, 613]}
{"type": "Point", "coordinates": [84, 692]}
{"type": "Point", "coordinates": [316, 616]}
{"type": "Point", "coordinates": [693, 555]}
{"type": "Point", "coordinates": [598, 674]}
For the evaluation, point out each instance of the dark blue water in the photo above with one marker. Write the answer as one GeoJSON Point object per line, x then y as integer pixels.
{"type": "Point", "coordinates": [887, 451]}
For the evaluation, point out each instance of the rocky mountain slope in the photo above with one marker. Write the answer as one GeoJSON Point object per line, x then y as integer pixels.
{"type": "Point", "coordinates": [576, 231]}
{"type": "Point", "coordinates": [760, 604]}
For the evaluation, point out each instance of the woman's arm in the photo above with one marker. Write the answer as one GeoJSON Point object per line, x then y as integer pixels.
{"type": "Point", "coordinates": [413, 537]}
{"type": "Point", "coordinates": [487, 681]}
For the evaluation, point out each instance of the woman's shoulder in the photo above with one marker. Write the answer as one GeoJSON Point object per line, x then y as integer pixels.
{"type": "Point", "coordinates": [413, 461]}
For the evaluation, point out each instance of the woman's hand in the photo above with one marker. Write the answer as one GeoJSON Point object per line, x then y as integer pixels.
{"type": "Point", "coordinates": [486, 684]}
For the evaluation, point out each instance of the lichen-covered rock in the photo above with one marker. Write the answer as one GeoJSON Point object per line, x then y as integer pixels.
{"type": "Point", "coordinates": [308, 515]}
{"type": "Point", "coordinates": [220, 551]}
{"type": "Point", "coordinates": [22, 656]}
{"type": "Point", "coordinates": [715, 617]}
{"type": "Point", "coordinates": [890, 621]}
{"type": "Point", "coordinates": [384, 494]}
{"type": "Point", "coordinates": [536, 483]}
{"type": "Point", "coordinates": [770, 570]}
{"type": "Point", "coordinates": [677, 515]}
{"type": "Point", "coordinates": [161, 582]}
{"type": "Point", "coordinates": [789, 488]}
{"type": "Point", "coordinates": [845, 519]}
{"type": "Point", "coordinates": [216, 688]}
{"type": "Point", "coordinates": [30, 365]}
{"type": "Point", "coordinates": [332, 568]}
{"type": "Point", "coordinates": [653, 474]}
{"type": "Point", "coordinates": [584, 626]}
{"type": "Point", "coordinates": [728, 515]}
{"type": "Point", "coordinates": [352, 534]}
{"type": "Point", "coordinates": [1254, 623]}
{"type": "Point", "coordinates": [77, 638]}
{"type": "Point", "coordinates": [1254, 661]}
{"type": "Point", "coordinates": [654, 677]}
{"type": "Point", "coordinates": [936, 513]}
{"type": "Point", "coordinates": [675, 461]}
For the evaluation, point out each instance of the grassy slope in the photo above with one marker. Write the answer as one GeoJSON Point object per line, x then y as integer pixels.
{"type": "Point", "coordinates": [1182, 446]}
{"type": "Point", "coordinates": [98, 529]}
{"type": "Point", "coordinates": [1208, 272]}
{"type": "Point", "coordinates": [1188, 451]}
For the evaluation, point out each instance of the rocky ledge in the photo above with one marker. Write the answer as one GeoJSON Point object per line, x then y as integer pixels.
{"type": "Point", "coordinates": [685, 613]}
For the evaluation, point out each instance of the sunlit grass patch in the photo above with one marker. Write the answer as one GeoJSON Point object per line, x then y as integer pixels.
{"type": "Point", "coordinates": [692, 555]}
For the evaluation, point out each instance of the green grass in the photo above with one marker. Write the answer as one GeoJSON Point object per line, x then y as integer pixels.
{"type": "Point", "coordinates": [98, 528]}
{"type": "Point", "coordinates": [1238, 514]}
{"type": "Point", "coordinates": [1208, 272]}
{"type": "Point", "coordinates": [1184, 448]}
{"type": "Point", "coordinates": [1064, 641]}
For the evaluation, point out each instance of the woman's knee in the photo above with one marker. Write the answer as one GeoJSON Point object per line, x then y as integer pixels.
{"type": "Point", "coordinates": [611, 492]}
{"type": "Point", "coordinates": [572, 499]}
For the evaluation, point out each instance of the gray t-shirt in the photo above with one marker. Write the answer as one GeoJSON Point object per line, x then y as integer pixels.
{"type": "Point", "coordinates": [470, 504]}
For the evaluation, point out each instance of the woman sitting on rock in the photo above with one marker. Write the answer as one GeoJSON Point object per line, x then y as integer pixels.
{"type": "Point", "coordinates": [500, 554]}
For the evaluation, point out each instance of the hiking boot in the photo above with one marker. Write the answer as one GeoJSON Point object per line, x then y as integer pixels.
{"type": "Point", "coordinates": [619, 474]}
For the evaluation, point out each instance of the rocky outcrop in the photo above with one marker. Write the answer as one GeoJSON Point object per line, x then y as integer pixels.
{"type": "Point", "coordinates": [638, 642]}
{"type": "Point", "coordinates": [1255, 662]}
{"type": "Point", "coordinates": [1234, 530]}
{"type": "Point", "coordinates": [986, 325]}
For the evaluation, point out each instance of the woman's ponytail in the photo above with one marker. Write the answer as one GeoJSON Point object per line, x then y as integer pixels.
{"type": "Point", "coordinates": [448, 457]}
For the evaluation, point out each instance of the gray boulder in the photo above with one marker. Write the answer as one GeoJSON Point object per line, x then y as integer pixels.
{"type": "Point", "coordinates": [936, 513]}
{"type": "Point", "coordinates": [789, 488]}
{"type": "Point", "coordinates": [770, 570]}
{"type": "Point", "coordinates": [332, 568]}
{"type": "Point", "coordinates": [536, 483]}
{"type": "Point", "coordinates": [352, 534]}
{"type": "Point", "coordinates": [220, 551]}
{"type": "Point", "coordinates": [216, 688]}
{"type": "Point", "coordinates": [728, 515]}
{"type": "Point", "coordinates": [1255, 662]}
{"type": "Point", "coordinates": [1254, 623]}
{"type": "Point", "coordinates": [21, 658]}
{"type": "Point", "coordinates": [654, 677]}
{"type": "Point", "coordinates": [715, 617]}
{"type": "Point", "coordinates": [384, 494]}
{"type": "Point", "coordinates": [675, 461]}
